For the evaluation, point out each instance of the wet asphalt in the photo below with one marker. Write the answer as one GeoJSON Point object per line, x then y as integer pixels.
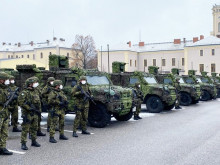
{"type": "Point", "coordinates": [190, 136]}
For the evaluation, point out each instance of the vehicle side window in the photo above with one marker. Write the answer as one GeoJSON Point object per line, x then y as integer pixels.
{"type": "Point", "coordinates": [133, 80]}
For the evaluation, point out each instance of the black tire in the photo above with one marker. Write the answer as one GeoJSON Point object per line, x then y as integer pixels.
{"type": "Point", "coordinates": [169, 107]}
{"type": "Point", "coordinates": [98, 115]}
{"type": "Point", "coordinates": [205, 96]}
{"type": "Point", "coordinates": [218, 93]}
{"type": "Point", "coordinates": [154, 104]}
{"type": "Point", "coordinates": [185, 99]}
{"type": "Point", "coordinates": [126, 117]}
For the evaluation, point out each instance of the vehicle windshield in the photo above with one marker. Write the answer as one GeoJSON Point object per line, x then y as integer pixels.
{"type": "Point", "coordinates": [181, 81]}
{"type": "Point", "coordinates": [167, 81]}
{"type": "Point", "coordinates": [189, 80]}
{"type": "Point", "coordinates": [133, 80]}
{"type": "Point", "coordinates": [199, 80]}
{"type": "Point", "coordinates": [97, 80]}
{"type": "Point", "coordinates": [150, 80]}
{"type": "Point", "coordinates": [205, 80]}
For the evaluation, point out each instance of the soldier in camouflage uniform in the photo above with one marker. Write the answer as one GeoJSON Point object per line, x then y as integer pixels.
{"type": "Point", "coordinates": [45, 92]}
{"type": "Point", "coordinates": [81, 106]}
{"type": "Point", "coordinates": [140, 100]}
{"type": "Point", "coordinates": [29, 101]}
{"type": "Point", "coordinates": [4, 81]}
{"type": "Point", "coordinates": [178, 88]}
{"type": "Point", "coordinates": [58, 102]}
{"type": "Point", "coordinates": [13, 108]}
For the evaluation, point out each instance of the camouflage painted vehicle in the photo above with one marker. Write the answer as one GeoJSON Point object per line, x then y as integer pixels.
{"type": "Point", "coordinates": [208, 91]}
{"type": "Point", "coordinates": [157, 97]}
{"type": "Point", "coordinates": [109, 100]}
{"type": "Point", "coordinates": [216, 80]}
{"type": "Point", "coordinates": [189, 93]}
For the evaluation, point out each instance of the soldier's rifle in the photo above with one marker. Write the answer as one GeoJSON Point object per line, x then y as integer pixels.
{"type": "Point", "coordinates": [34, 109]}
{"type": "Point", "coordinates": [63, 103]}
{"type": "Point", "coordinates": [87, 95]}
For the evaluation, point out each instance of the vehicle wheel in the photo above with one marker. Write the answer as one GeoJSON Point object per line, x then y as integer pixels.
{"type": "Point", "coordinates": [169, 107]}
{"type": "Point", "coordinates": [126, 117]}
{"type": "Point", "coordinates": [98, 115]}
{"type": "Point", "coordinates": [154, 104]}
{"type": "Point", "coordinates": [205, 96]}
{"type": "Point", "coordinates": [185, 99]}
{"type": "Point", "coordinates": [218, 93]}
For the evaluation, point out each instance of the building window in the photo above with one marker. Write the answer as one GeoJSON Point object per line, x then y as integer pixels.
{"type": "Point", "coordinates": [22, 56]}
{"type": "Point", "coordinates": [41, 55]}
{"type": "Point", "coordinates": [201, 52]}
{"type": "Point", "coordinates": [212, 67]}
{"type": "Point", "coordinates": [8, 56]}
{"type": "Point", "coordinates": [201, 67]}
{"type": "Point", "coordinates": [219, 27]}
{"type": "Point", "coordinates": [154, 62]}
{"type": "Point", "coordinates": [130, 62]}
{"type": "Point", "coordinates": [11, 56]}
{"type": "Point", "coordinates": [183, 61]}
{"type": "Point", "coordinates": [173, 62]}
{"type": "Point", "coordinates": [145, 62]}
{"type": "Point", "coordinates": [213, 52]}
{"type": "Point", "coordinates": [163, 62]}
{"type": "Point", "coordinates": [50, 53]}
{"type": "Point", "coordinates": [33, 56]}
{"type": "Point", "coordinates": [16, 56]}
{"type": "Point", "coordinates": [135, 63]}
{"type": "Point", "coordinates": [68, 55]}
{"type": "Point", "coordinates": [28, 56]}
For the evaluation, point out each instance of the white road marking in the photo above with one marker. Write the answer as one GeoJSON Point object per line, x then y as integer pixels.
{"type": "Point", "coordinates": [17, 152]}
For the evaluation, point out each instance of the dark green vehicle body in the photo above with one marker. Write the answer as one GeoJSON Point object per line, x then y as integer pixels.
{"type": "Point", "coordinates": [110, 100]}
{"type": "Point", "coordinates": [157, 97]}
{"type": "Point", "coordinates": [216, 80]}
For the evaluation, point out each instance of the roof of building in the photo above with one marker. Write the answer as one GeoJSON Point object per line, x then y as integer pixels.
{"type": "Point", "coordinates": [29, 47]}
{"type": "Point", "coordinates": [211, 40]}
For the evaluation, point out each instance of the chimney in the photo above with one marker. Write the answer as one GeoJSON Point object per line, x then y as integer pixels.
{"type": "Point", "coordinates": [54, 38]}
{"type": "Point", "coordinates": [177, 41]}
{"type": "Point", "coordinates": [9, 43]}
{"type": "Point", "coordinates": [195, 39]}
{"type": "Point", "coordinates": [19, 44]}
{"type": "Point", "coordinates": [129, 43]}
{"type": "Point", "coordinates": [61, 39]}
{"type": "Point", "coordinates": [184, 40]}
{"type": "Point", "coordinates": [31, 43]}
{"type": "Point", "coordinates": [3, 43]}
{"type": "Point", "coordinates": [141, 43]}
{"type": "Point", "coordinates": [201, 37]}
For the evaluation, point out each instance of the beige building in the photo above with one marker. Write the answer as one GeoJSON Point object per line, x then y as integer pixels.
{"type": "Point", "coordinates": [33, 53]}
{"type": "Point", "coordinates": [199, 53]}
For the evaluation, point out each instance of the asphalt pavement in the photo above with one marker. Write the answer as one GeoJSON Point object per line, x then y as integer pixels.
{"type": "Point", "coordinates": [189, 136]}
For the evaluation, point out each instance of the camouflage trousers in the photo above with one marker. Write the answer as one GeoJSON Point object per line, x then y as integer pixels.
{"type": "Point", "coordinates": [13, 111]}
{"type": "Point", "coordinates": [81, 119]}
{"type": "Point", "coordinates": [38, 122]}
{"type": "Point", "coordinates": [3, 132]}
{"type": "Point", "coordinates": [30, 124]}
{"type": "Point", "coordinates": [58, 117]}
{"type": "Point", "coordinates": [177, 103]}
{"type": "Point", "coordinates": [138, 108]}
{"type": "Point", "coordinates": [48, 120]}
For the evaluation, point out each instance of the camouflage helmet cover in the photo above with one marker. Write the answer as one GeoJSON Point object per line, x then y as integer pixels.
{"type": "Point", "coordinates": [11, 77]}
{"type": "Point", "coordinates": [4, 76]}
{"type": "Point", "coordinates": [50, 79]}
{"type": "Point", "coordinates": [30, 81]}
{"type": "Point", "coordinates": [82, 78]}
{"type": "Point", "coordinates": [35, 78]}
{"type": "Point", "coordinates": [57, 83]}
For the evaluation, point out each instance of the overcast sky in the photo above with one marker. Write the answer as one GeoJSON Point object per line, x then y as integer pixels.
{"type": "Point", "coordinates": [107, 21]}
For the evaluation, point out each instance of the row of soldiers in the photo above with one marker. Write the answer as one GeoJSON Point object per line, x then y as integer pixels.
{"type": "Point", "coordinates": [30, 102]}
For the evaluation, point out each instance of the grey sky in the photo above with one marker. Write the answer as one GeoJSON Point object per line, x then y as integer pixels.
{"type": "Point", "coordinates": [108, 22]}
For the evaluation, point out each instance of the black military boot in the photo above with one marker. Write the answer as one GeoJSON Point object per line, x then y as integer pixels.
{"type": "Point", "coordinates": [35, 143]}
{"type": "Point", "coordinates": [48, 129]}
{"type": "Point", "coordinates": [4, 151]}
{"type": "Point", "coordinates": [23, 146]}
{"type": "Point", "coordinates": [52, 140]}
{"type": "Point", "coordinates": [178, 107]}
{"type": "Point", "coordinates": [63, 137]}
{"type": "Point", "coordinates": [39, 133]}
{"type": "Point", "coordinates": [15, 129]}
{"type": "Point", "coordinates": [57, 129]}
{"type": "Point", "coordinates": [85, 132]}
{"type": "Point", "coordinates": [135, 117]}
{"type": "Point", "coordinates": [139, 117]}
{"type": "Point", "coordinates": [75, 134]}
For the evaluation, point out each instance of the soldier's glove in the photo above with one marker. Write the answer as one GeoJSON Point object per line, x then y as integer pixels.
{"type": "Point", "coordinates": [15, 97]}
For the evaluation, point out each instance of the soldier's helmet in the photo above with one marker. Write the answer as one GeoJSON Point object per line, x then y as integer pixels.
{"type": "Point", "coordinates": [82, 78]}
{"type": "Point", "coordinates": [11, 77]}
{"type": "Point", "coordinates": [57, 83]}
{"type": "Point", "coordinates": [30, 81]}
{"type": "Point", "coordinates": [50, 79]}
{"type": "Point", "coordinates": [4, 76]}
{"type": "Point", "coordinates": [177, 79]}
{"type": "Point", "coordinates": [35, 78]}
{"type": "Point", "coordinates": [137, 84]}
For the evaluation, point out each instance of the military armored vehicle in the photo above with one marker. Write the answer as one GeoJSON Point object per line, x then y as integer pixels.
{"type": "Point", "coordinates": [110, 100]}
{"type": "Point", "coordinates": [208, 91]}
{"type": "Point", "coordinates": [189, 93]}
{"type": "Point", "coordinates": [216, 80]}
{"type": "Point", "coordinates": [157, 97]}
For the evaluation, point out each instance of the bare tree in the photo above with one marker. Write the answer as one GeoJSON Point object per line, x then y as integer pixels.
{"type": "Point", "coordinates": [83, 51]}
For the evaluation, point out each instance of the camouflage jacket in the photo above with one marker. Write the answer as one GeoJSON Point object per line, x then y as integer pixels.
{"type": "Point", "coordinates": [79, 97]}
{"type": "Point", "coordinates": [12, 88]}
{"type": "Point", "coordinates": [45, 93]}
{"type": "Point", "coordinates": [177, 86]}
{"type": "Point", "coordinates": [3, 98]}
{"type": "Point", "coordinates": [29, 96]}
{"type": "Point", "coordinates": [54, 100]}
{"type": "Point", "coordinates": [139, 93]}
